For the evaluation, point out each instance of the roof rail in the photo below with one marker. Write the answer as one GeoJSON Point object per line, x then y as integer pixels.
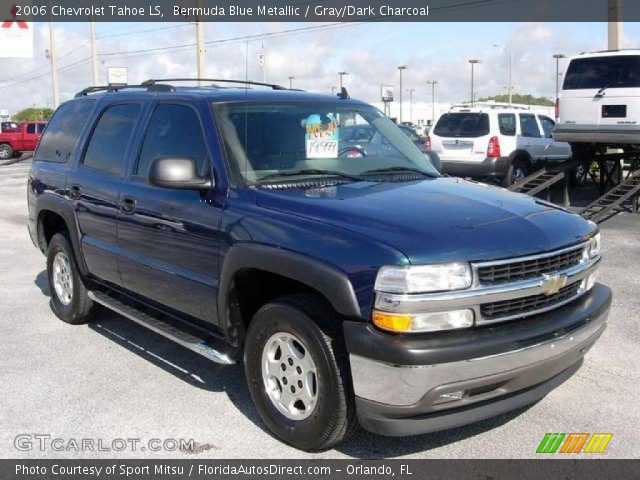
{"type": "Point", "coordinates": [114, 88]}
{"type": "Point", "coordinates": [490, 105]}
{"type": "Point", "coordinates": [274, 86]}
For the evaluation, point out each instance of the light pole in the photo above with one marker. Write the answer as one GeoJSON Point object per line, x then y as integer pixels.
{"type": "Point", "coordinates": [400, 69]}
{"type": "Point", "coordinates": [291, 78]}
{"type": "Point", "coordinates": [433, 84]}
{"type": "Point", "coordinates": [342, 74]}
{"type": "Point", "coordinates": [332, 89]}
{"type": "Point", "coordinates": [473, 63]}
{"type": "Point", "coordinates": [411, 90]}
{"type": "Point", "coordinates": [558, 56]}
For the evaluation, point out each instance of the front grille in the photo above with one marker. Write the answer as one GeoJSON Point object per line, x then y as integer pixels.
{"type": "Point", "coordinates": [526, 269]}
{"type": "Point", "coordinates": [521, 306]}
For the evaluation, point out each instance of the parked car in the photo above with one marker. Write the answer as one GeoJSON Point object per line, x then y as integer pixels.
{"type": "Point", "coordinates": [24, 139]}
{"type": "Point", "coordinates": [355, 289]}
{"type": "Point", "coordinates": [598, 107]}
{"type": "Point", "coordinates": [417, 140]}
{"type": "Point", "coordinates": [492, 141]}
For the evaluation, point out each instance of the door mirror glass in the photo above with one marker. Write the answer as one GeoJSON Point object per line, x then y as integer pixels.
{"type": "Point", "coordinates": [179, 173]}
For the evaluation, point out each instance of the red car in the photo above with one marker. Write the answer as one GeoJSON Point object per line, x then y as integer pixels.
{"type": "Point", "coordinates": [24, 139]}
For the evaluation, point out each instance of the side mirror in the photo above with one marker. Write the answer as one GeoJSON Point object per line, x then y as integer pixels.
{"type": "Point", "coordinates": [434, 159]}
{"type": "Point", "coordinates": [175, 172]}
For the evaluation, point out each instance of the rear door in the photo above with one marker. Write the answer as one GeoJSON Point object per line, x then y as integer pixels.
{"type": "Point", "coordinates": [31, 136]}
{"type": "Point", "coordinates": [530, 138]}
{"type": "Point", "coordinates": [170, 238]}
{"type": "Point", "coordinates": [94, 187]}
{"type": "Point", "coordinates": [461, 136]}
{"type": "Point", "coordinates": [583, 103]}
{"type": "Point", "coordinates": [554, 150]}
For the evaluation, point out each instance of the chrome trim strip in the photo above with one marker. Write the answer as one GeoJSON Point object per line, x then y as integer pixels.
{"type": "Point", "coordinates": [507, 261]}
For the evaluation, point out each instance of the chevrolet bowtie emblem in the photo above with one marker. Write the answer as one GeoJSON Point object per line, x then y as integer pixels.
{"type": "Point", "coordinates": [553, 283]}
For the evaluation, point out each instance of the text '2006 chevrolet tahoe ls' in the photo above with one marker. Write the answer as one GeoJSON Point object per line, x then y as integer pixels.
{"type": "Point", "coordinates": [357, 287]}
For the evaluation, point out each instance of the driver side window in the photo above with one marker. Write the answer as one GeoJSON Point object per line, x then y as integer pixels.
{"type": "Point", "coordinates": [173, 131]}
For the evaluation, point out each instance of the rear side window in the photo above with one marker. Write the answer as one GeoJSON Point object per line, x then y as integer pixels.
{"type": "Point", "coordinates": [110, 138]}
{"type": "Point", "coordinates": [462, 125]}
{"type": "Point", "coordinates": [622, 71]}
{"type": "Point", "coordinates": [31, 128]}
{"type": "Point", "coordinates": [529, 126]}
{"type": "Point", "coordinates": [63, 131]}
{"type": "Point", "coordinates": [507, 124]}
{"type": "Point", "coordinates": [547, 126]}
{"type": "Point", "coordinates": [174, 131]}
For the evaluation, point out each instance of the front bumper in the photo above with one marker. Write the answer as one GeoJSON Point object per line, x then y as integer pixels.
{"type": "Point", "coordinates": [489, 167]}
{"type": "Point", "coordinates": [408, 385]}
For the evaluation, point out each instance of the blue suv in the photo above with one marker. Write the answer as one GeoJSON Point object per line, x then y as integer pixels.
{"type": "Point", "coordinates": [357, 284]}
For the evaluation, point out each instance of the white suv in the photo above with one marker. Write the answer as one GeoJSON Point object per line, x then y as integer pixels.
{"type": "Point", "coordinates": [495, 140]}
{"type": "Point", "coordinates": [600, 100]}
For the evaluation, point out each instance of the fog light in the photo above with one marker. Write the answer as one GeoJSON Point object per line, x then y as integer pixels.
{"type": "Point", "coordinates": [424, 322]}
{"type": "Point", "coordinates": [591, 281]}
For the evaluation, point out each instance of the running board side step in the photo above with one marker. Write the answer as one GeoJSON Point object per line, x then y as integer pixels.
{"type": "Point", "coordinates": [187, 340]}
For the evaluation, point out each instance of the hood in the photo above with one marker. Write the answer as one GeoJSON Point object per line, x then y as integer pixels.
{"type": "Point", "coordinates": [436, 220]}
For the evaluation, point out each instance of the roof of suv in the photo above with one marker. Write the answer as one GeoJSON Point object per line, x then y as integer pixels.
{"type": "Point", "coordinates": [219, 94]}
{"type": "Point", "coordinates": [607, 53]}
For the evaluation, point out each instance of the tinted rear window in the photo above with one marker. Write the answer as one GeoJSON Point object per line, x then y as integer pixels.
{"type": "Point", "coordinates": [63, 130]}
{"type": "Point", "coordinates": [462, 125]}
{"type": "Point", "coordinates": [594, 73]}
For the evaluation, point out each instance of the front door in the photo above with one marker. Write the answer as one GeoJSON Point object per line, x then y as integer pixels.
{"type": "Point", "coordinates": [168, 237]}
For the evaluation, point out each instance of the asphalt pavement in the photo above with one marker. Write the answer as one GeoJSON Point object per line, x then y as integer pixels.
{"type": "Point", "coordinates": [112, 380]}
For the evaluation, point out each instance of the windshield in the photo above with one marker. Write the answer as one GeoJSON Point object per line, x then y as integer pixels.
{"type": "Point", "coordinates": [271, 142]}
{"type": "Point", "coordinates": [620, 71]}
{"type": "Point", "coordinates": [462, 125]}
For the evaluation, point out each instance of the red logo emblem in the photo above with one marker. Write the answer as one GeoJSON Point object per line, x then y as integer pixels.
{"type": "Point", "coordinates": [8, 23]}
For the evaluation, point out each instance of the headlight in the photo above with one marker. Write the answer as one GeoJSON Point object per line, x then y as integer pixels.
{"type": "Point", "coordinates": [424, 278]}
{"type": "Point", "coordinates": [424, 322]}
{"type": "Point", "coordinates": [594, 246]}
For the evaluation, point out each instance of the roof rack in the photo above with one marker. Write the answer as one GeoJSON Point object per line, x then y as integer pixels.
{"type": "Point", "coordinates": [114, 88]}
{"type": "Point", "coordinates": [274, 86]}
{"type": "Point", "coordinates": [490, 105]}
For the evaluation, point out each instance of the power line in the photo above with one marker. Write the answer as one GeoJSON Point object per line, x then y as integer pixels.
{"type": "Point", "coordinates": [100, 37]}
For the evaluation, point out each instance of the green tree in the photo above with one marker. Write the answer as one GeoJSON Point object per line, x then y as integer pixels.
{"type": "Point", "coordinates": [33, 114]}
{"type": "Point", "coordinates": [520, 99]}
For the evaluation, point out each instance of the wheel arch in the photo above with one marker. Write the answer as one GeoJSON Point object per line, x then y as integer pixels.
{"type": "Point", "coordinates": [264, 272]}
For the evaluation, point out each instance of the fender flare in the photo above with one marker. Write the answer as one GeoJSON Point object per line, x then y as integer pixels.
{"type": "Point", "coordinates": [60, 206]}
{"type": "Point", "coordinates": [330, 282]}
{"type": "Point", "coordinates": [523, 154]}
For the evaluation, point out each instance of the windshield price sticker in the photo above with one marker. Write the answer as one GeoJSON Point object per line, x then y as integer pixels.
{"type": "Point", "coordinates": [321, 136]}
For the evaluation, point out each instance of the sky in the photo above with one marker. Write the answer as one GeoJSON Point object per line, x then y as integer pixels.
{"type": "Point", "coordinates": [370, 52]}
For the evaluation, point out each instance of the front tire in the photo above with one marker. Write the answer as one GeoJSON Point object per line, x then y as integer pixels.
{"type": "Point", "coordinates": [69, 295]}
{"type": "Point", "coordinates": [297, 373]}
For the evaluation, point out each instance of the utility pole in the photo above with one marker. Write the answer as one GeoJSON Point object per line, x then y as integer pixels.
{"type": "Point", "coordinates": [291, 79]}
{"type": "Point", "coordinates": [615, 24]}
{"type": "Point", "coordinates": [342, 74]}
{"type": "Point", "coordinates": [433, 84]}
{"type": "Point", "coordinates": [558, 56]}
{"type": "Point", "coordinates": [510, 75]}
{"type": "Point", "coordinates": [200, 47]}
{"type": "Point", "coordinates": [411, 90]}
{"type": "Point", "coordinates": [400, 69]}
{"type": "Point", "coordinates": [54, 66]}
{"type": "Point", "coordinates": [94, 53]}
{"type": "Point", "coordinates": [473, 62]}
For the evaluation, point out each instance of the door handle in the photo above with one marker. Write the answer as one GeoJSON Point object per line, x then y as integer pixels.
{"type": "Point", "coordinates": [128, 205]}
{"type": "Point", "coordinates": [75, 191]}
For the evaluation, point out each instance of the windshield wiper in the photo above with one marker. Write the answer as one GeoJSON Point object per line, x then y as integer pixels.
{"type": "Point", "coordinates": [313, 171]}
{"type": "Point", "coordinates": [396, 169]}
{"type": "Point", "coordinates": [613, 84]}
